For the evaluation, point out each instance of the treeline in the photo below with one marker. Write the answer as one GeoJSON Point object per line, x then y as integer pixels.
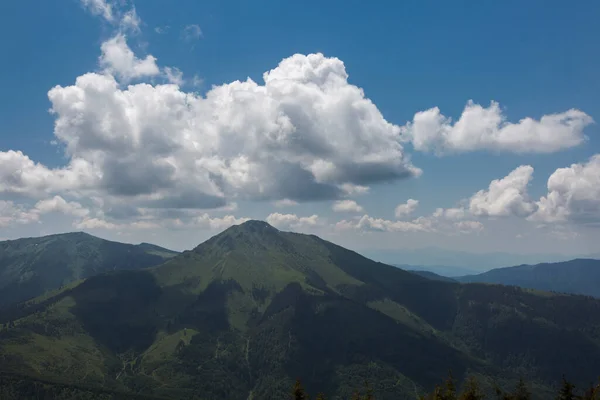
{"type": "Point", "coordinates": [17, 387]}
{"type": "Point", "coordinates": [471, 391]}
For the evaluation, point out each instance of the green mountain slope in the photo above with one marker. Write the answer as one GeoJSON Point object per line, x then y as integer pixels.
{"type": "Point", "coordinates": [579, 276]}
{"type": "Point", "coordinates": [32, 266]}
{"type": "Point", "coordinates": [244, 314]}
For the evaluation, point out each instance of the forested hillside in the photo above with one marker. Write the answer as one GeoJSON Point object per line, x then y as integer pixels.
{"type": "Point", "coordinates": [30, 267]}
{"type": "Point", "coordinates": [250, 310]}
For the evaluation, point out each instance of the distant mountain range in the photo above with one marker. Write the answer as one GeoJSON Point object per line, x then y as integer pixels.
{"type": "Point", "coordinates": [579, 276]}
{"type": "Point", "coordinates": [244, 314]}
{"type": "Point", "coordinates": [30, 267]}
{"type": "Point", "coordinates": [432, 275]}
{"type": "Point", "coordinates": [457, 263]}
{"type": "Point", "coordinates": [440, 270]}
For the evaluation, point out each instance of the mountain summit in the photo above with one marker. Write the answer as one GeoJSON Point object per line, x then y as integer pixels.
{"type": "Point", "coordinates": [245, 313]}
{"type": "Point", "coordinates": [31, 266]}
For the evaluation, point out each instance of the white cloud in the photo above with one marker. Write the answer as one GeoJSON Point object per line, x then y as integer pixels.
{"type": "Point", "coordinates": [573, 194]}
{"type": "Point", "coordinates": [22, 176]}
{"type": "Point", "coordinates": [113, 13]}
{"type": "Point", "coordinates": [58, 204]}
{"type": "Point", "coordinates": [174, 76]}
{"type": "Point", "coordinates": [131, 21]}
{"type": "Point", "coordinates": [159, 221]}
{"type": "Point", "coordinates": [451, 214]}
{"type": "Point", "coordinates": [157, 155]}
{"type": "Point", "coordinates": [469, 226]}
{"type": "Point", "coordinates": [119, 60]}
{"type": "Point", "coordinates": [219, 224]}
{"type": "Point", "coordinates": [12, 214]}
{"type": "Point", "coordinates": [430, 224]}
{"type": "Point", "coordinates": [95, 223]}
{"type": "Point", "coordinates": [292, 221]}
{"type": "Point", "coordinates": [285, 203]}
{"type": "Point", "coordinates": [161, 29]}
{"type": "Point", "coordinates": [350, 189]}
{"type": "Point", "coordinates": [506, 196]}
{"type": "Point", "coordinates": [305, 135]}
{"type": "Point", "coordinates": [346, 206]}
{"type": "Point", "coordinates": [369, 223]}
{"type": "Point", "coordinates": [379, 224]}
{"type": "Point", "coordinates": [405, 209]}
{"type": "Point", "coordinates": [197, 81]}
{"type": "Point", "coordinates": [503, 198]}
{"type": "Point", "coordinates": [192, 32]}
{"type": "Point", "coordinates": [102, 8]}
{"type": "Point", "coordinates": [480, 128]}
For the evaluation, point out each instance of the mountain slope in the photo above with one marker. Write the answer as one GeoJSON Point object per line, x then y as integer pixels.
{"type": "Point", "coordinates": [251, 309]}
{"type": "Point", "coordinates": [440, 270]}
{"type": "Point", "coordinates": [579, 276]}
{"type": "Point", "coordinates": [29, 267]}
{"type": "Point", "coordinates": [432, 276]}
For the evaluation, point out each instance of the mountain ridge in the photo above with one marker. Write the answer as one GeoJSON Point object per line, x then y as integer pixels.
{"type": "Point", "coordinates": [31, 266]}
{"type": "Point", "coordinates": [252, 308]}
{"type": "Point", "coordinates": [577, 276]}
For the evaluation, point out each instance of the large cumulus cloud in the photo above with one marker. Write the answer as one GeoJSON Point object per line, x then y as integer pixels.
{"type": "Point", "coordinates": [573, 194]}
{"type": "Point", "coordinates": [487, 128]}
{"type": "Point", "coordinates": [305, 134]}
{"type": "Point", "coordinates": [506, 196]}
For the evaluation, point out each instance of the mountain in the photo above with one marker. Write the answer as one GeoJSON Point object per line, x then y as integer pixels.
{"type": "Point", "coordinates": [432, 275]}
{"type": "Point", "coordinates": [32, 266]}
{"type": "Point", "coordinates": [579, 276]}
{"type": "Point", "coordinates": [475, 262]}
{"type": "Point", "coordinates": [244, 314]}
{"type": "Point", "coordinates": [440, 270]}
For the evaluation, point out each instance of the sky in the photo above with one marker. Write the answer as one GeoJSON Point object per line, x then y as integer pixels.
{"type": "Point", "coordinates": [467, 126]}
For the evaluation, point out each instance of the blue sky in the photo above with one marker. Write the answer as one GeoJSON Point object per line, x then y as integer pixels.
{"type": "Point", "coordinates": [535, 59]}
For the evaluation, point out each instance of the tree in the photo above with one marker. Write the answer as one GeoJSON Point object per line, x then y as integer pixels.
{"type": "Point", "coordinates": [472, 391]}
{"type": "Point", "coordinates": [449, 392]}
{"type": "Point", "coordinates": [566, 391]}
{"type": "Point", "coordinates": [521, 392]}
{"type": "Point", "coordinates": [369, 390]}
{"type": "Point", "coordinates": [298, 393]}
{"type": "Point", "coordinates": [593, 393]}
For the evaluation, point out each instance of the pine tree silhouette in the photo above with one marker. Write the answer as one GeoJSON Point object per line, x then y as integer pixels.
{"type": "Point", "coordinates": [472, 391]}
{"type": "Point", "coordinates": [567, 390]}
{"type": "Point", "coordinates": [298, 393]}
{"type": "Point", "coordinates": [521, 391]}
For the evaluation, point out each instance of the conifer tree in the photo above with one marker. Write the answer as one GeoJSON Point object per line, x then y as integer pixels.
{"type": "Point", "coordinates": [449, 392]}
{"type": "Point", "coordinates": [567, 391]}
{"type": "Point", "coordinates": [593, 393]}
{"type": "Point", "coordinates": [298, 393]}
{"type": "Point", "coordinates": [521, 392]}
{"type": "Point", "coordinates": [369, 390]}
{"type": "Point", "coordinates": [471, 391]}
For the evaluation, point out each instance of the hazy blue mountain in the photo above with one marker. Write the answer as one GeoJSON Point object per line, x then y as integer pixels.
{"type": "Point", "coordinates": [475, 262]}
{"type": "Point", "coordinates": [30, 267]}
{"type": "Point", "coordinates": [432, 275]}
{"type": "Point", "coordinates": [579, 276]}
{"type": "Point", "coordinates": [439, 270]}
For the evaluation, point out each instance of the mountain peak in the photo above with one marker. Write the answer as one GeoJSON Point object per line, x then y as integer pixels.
{"type": "Point", "coordinates": [251, 231]}
{"type": "Point", "coordinates": [255, 225]}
